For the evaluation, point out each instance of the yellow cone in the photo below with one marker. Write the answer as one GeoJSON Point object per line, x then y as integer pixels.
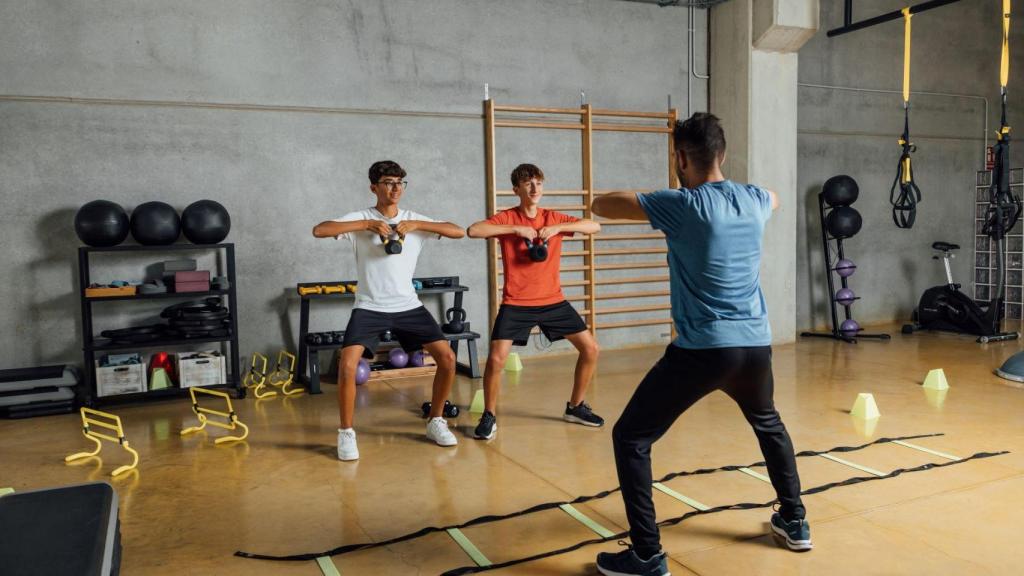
{"type": "Point", "coordinates": [936, 380]}
{"type": "Point", "coordinates": [477, 405]}
{"type": "Point", "coordinates": [513, 363]}
{"type": "Point", "coordinates": [865, 408]}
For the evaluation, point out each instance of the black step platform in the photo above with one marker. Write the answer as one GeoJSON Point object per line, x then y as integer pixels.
{"type": "Point", "coordinates": [59, 531]}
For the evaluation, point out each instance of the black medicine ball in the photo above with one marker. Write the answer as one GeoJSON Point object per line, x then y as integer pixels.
{"type": "Point", "coordinates": [840, 191]}
{"type": "Point", "coordinates": [843, 222]}
{"type": "Point", "coordinates": [205, 222]}
{"type": "Point", "coordinates": [155, 224]}
{"type": "Point", "coordinates": [101, 223]}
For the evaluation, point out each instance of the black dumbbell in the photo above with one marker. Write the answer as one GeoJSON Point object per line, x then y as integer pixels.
{"type": "Point", "coordinates": [450, 410]}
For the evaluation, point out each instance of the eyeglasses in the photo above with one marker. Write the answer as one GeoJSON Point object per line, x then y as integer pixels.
{"type": "Point", "coordinates": [394, 184]}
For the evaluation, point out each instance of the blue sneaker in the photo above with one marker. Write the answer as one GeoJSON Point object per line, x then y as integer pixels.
{"type": "Point", "coordinates": [627, 563]}
{"type": "Point", "coordinates": [796, 533]}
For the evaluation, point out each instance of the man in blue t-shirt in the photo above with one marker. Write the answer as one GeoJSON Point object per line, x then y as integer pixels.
{"type": "Point", "coordinates": [713, 227]}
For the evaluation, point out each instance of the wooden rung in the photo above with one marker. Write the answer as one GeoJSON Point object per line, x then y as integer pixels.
{"type": "Point", "coordinates": [630, 323]}
{"type": "Point", "coordinates": [625, 309]}
{"type": "Point", "coordinates": [629, 128]}
{"type": "Point", "coordinates": [546, 193]}
{"type": "Point", "coordinates": [627, 280]}
{"type": "Point", "coordinates": [612, 251]}
{"type": "Point", "coordinates": [532, 110]}
{"type": "Point", "coordinates": [575, 254]}
{"type": "Point", "coordinates": [632, 294]}
{"type": "Point", "coordinates": [548, 125]}
{"type": "Point", "coordinates": [628, 266]}
{"type": "Point", "coordinates": [622, 221]}
{"type": "Point", "coordinates": [631, 190]}
{"type": "Point", "coordinates": [567, 207]}
{"type": "Point", "coordinates": [581, 268]}
{"type": "Point", "coordinates": [627, 114]}
{"type": "Point", "coordinates": [616, 237]}
{"type": "Point", "coordinates": [577, 297]}
{"type": "Point", "coordinates": [575, 283]}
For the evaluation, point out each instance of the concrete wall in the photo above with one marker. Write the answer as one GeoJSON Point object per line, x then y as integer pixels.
{"type": "Point", "coordinates": [279, 172]}
{"type": "Point", "coordinates": [955, 50]}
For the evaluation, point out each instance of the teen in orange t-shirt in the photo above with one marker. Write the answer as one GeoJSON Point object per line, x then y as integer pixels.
{"type": "Point", "coordinates": [532, 294]}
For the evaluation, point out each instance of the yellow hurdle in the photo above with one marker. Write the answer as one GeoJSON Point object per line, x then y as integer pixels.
{"type": "Point", "coordinates": [256, 377]}
{"type": "Point", "coordinates": [283, 376]}
{"type": "Point", "coordinates": [110, 422]}
{"type": "Point", "coordinates": [233, 421]}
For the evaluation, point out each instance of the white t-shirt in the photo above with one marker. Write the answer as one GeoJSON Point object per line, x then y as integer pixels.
{"type": "Point", "coordinates": [385, 280]}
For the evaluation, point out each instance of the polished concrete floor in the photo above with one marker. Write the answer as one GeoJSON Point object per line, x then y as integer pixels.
{"type": "Point", "coordinates": [192, 504]}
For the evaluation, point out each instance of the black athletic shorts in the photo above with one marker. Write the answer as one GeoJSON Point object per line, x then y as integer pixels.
{"type": "Point", "coordinates": [412, 328]}
{"type": "Point", "coordinates": [556, 321]}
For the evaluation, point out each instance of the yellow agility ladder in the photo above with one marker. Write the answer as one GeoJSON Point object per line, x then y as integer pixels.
{"type": "Point", "coordinates": [110, 422]}
{"type": "Point", "coordinates": [232, 419]}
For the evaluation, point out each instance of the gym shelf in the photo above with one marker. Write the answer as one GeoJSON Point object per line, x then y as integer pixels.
{"type": "Point", "coordinates": [93, 345]}
{"type": "Point", "coordinates": [103, 344]}
{"type": "Point", "coordinates": [173, 392]}
{"type": "Point", "coordinates": [183, 295]}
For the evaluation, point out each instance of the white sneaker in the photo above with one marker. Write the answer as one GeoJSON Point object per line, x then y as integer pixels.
{"type": "Point", "coordinates": [437, 430]}
{"type": "Point", "coordinates": [347, 449]}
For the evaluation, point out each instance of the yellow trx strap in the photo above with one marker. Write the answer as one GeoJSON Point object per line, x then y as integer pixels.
{"type": "Point", "coordinates": [1004, 67]}
{"type": "Point", "coordinates": [904, 194]}
{"type": "Point", "coordinates": [906, 54]}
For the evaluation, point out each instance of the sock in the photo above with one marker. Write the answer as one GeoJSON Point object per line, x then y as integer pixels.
{"type": "Point", "coordinates": [345, 430]}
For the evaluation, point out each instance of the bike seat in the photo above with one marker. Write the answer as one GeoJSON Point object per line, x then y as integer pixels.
{"type": "Point", "coordinates": [945, 246]}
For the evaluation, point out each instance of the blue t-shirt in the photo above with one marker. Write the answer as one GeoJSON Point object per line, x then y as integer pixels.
{"type": "Point", "coordinates": [714, 253]}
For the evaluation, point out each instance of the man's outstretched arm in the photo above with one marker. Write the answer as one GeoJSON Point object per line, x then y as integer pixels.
{"type": "Point", "coordinates": [622, 205]}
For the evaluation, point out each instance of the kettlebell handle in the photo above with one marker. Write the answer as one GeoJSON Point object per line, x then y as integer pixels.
{"type": "Point", "coordinates": [453, 312]}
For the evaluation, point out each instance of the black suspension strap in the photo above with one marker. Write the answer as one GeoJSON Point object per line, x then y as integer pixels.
{"type": "Point", "coordinates": [550, 505]}
{"type": "Point", "coordinates": [1004, 208]}
{"type": "Point", "coordinates": [742, 506]}
{"type": "Point", "coordinates": [904, 194]}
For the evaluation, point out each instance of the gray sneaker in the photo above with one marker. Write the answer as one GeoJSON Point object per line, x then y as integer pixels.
{"type": "Point", "coordinates": [796, 533]}
{"type": "Point", "coordinates": [627, 563]}
{"type": "Point", "coordinates": [487, 427]}
{"type": "Point", "coordinates": [582, 414]}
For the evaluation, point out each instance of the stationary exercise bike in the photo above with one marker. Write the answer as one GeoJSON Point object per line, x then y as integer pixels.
{"type": "Point", "coordinates": [946, 308]}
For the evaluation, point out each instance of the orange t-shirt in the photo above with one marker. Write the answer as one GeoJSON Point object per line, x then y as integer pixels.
{"type": "Point", "coordinates": [529, 283]}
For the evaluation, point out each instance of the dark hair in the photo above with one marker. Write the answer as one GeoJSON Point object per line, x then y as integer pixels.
{"type": "Point", "coordinates": [525, 172]}
{"type": "Point", "coordinates": [701, 138]}
{"type": "Point", "coordinates": [385, 168]}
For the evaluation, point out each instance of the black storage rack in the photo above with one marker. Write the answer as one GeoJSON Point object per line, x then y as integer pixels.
{"type": "Point", "coordinates": [309, 362]}
{"type": "Point", "coordinates": [92, 345]}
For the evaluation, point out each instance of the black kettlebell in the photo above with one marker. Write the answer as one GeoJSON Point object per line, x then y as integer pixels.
{"type": "Point", "coordinates": [392, 246]}
{"type": "Point", "coordinates": [449, 411]}
{"type": "Point", "coordinates": [456, 321]}
{"type": "Point", "coordinates": [538, 251]}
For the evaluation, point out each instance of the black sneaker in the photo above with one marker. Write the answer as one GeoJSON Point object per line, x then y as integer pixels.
{"type": "Point", "coordinates": [582, 414]}
{"type": "Point", "coordinates": [487, 427]}
{"type": "Point", "coordinates": [796, 533]}
{"type": "Point", "coordinates": [627, 563]}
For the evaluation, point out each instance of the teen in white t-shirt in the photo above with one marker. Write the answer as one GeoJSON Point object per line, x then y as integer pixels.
{"type": "Point", "coordinates": [386, 299]}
